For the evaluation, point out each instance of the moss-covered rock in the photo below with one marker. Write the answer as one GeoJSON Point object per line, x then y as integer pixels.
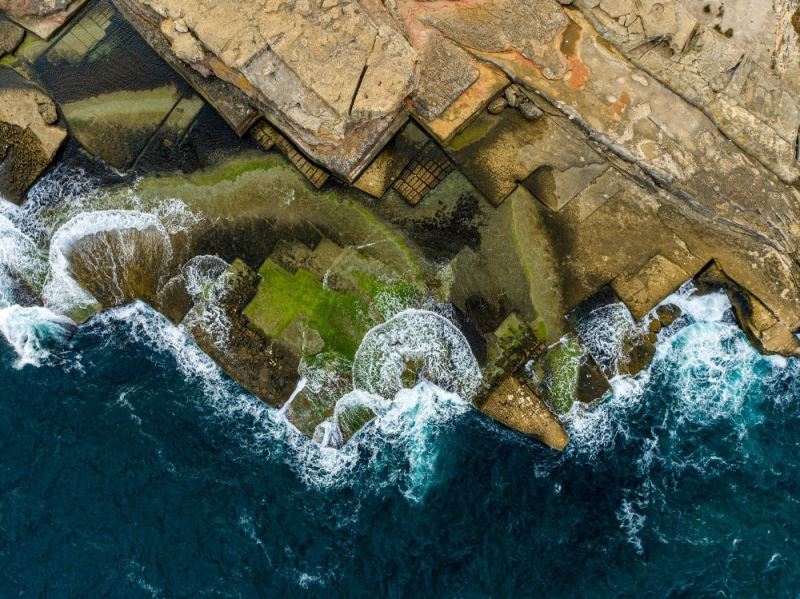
{"type": "Point", "coordinates": [251, 359]}
{"type": "Point", "coordinates": [561, 365]}
{"type": "Point", "coordinates": [340, 319]}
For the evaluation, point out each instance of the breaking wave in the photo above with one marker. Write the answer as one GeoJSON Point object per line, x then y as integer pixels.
{"type": "Point", "coordinates": [61, 292]}
{"type": "Point", "coordinates": [33, 332]}
{"type": "Point", "coordinates": [700, 398]}
{"type": "Point", "coordinates": [416, 344]}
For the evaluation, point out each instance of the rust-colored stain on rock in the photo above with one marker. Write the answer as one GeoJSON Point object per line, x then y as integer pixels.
{"type": "Point", "coordinates": [570, 44]}
{"type": "Point", "coordinates": [618, 107]}
{"type": "Point", "coordinates": [578, 73]}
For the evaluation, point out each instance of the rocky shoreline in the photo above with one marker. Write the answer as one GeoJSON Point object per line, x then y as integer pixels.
{"type": "Point", "coordinates": [510, 167]}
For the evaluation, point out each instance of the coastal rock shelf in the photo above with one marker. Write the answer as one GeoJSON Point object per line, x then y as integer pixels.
{"type": "Point", "coordinates": [514, 167]}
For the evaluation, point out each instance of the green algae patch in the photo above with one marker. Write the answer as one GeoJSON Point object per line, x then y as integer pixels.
{"type": "Point", "coordinates": [473, 133]}
{"type": "Point", "coordinates": [388, 298]}
{"type": "Point", "coordinates": [264, 188]}
{"type": "Point", "coordinates": [229, 170]}
{"type": "Point", "coordinates": [282, 298]}
{"type": "Point", "coordinates": [562, 365]}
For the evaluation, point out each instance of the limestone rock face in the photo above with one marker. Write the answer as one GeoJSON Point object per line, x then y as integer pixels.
{"type": "Point", "coordinates": [29, 134]}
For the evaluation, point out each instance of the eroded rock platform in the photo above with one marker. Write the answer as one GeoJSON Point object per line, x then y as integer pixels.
{"type": "Point", "coordinates": [512, 161]}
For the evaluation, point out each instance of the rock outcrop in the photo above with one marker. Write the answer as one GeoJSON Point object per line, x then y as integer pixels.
{"type": "Point", "coordinates": [29, 134]}
{"type": "Point", "coordinates": [516, 406]}
{"type": "Point", "coordinates": [557, 155]}
{"type": "Point", "coordinates": [278, 54]}
{"type": "Point", "coordinates": [613, 98]}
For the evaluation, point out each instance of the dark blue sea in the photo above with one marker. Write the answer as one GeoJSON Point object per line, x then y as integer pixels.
{"type": "Point", "coordinates": [132, 467]}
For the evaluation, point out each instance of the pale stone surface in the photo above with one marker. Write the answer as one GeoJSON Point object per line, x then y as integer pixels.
{"type": "Point", "coordinates": [750, 94]}
{"type": "Point", "coordinates": [29, 135]}
{"type": "Point", "coordinates": [42, 17]}
{"type": "Point", "coordinates": [279, 53]}
{"type": "Point", "coordinates": [511, 403]}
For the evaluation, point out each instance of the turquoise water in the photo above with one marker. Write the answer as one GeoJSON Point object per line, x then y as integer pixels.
{"type": "Point", "coordinates": [131, 467]}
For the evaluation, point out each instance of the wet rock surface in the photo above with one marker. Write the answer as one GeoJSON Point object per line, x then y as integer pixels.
{"type": "Point", "coordinates": [216, 324]}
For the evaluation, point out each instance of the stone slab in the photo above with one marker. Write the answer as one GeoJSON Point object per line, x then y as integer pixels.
{"type": "Point", "coordinates": [514, 405]}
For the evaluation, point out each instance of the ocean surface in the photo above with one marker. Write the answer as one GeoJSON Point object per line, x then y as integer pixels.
{"type": "Point", "coordinates": [133, 467]}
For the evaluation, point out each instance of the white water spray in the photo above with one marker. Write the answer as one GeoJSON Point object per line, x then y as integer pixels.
{"type": "Point", "coordinates": [301, 384]}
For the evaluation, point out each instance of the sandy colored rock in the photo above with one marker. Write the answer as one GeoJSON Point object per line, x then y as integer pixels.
{"type": "Point", "coordinates": [514, 405]}
{"type": "Point", "coordinates": [279, 55]}
{"type": "Point", "coordinates": [657, 279]}
{"type": "Point", "coordinates": [10, 36]}
{"type": "Point", "coordinates": [29, 139]}
{"type": "Point", "coordinates": [42, 17]}
{"type": "Point", "coordinates": [446, 72]}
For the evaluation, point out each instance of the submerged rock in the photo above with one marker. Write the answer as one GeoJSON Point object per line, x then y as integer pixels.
{"type": "Point", "coordinates": [120, 265]}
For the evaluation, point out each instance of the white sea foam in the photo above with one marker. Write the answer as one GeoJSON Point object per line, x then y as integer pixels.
{"type": "Point", "coordinates": [604, 332]}
{"type": "Point", "coordinates": [420, 337]}
{"type": "Point", "coordinates": [705, 372]}
{"type": "Point", "coordinates": [61, 193]}
{"type": "Point", "coordinates": [201, 271]}
{"type": "Point", "coordinates": [328, 435]}
{"type": "Point", "coordinates": [61, 292]}
{"type": "Point", "coordinates": [709, 362]}
{"type": "Point", "coordinates": [711, 365]}
{"type": "Point", "coordinates": [401, 442]}
{"type": "Point", "coordinates": [33, 332]}
{"type": "Point", "coordinates": [153, 330]}
{"type": "Point", "coordinates": [20, 260]}
{"type": "Point", "coordinates": [631, 521]}
{"type": "Point", "coordinates": [709, 307]}
{"type": "Point", "coordinates": [596, 428]}
{"type": "Point", "coordinates": [358, 398]}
